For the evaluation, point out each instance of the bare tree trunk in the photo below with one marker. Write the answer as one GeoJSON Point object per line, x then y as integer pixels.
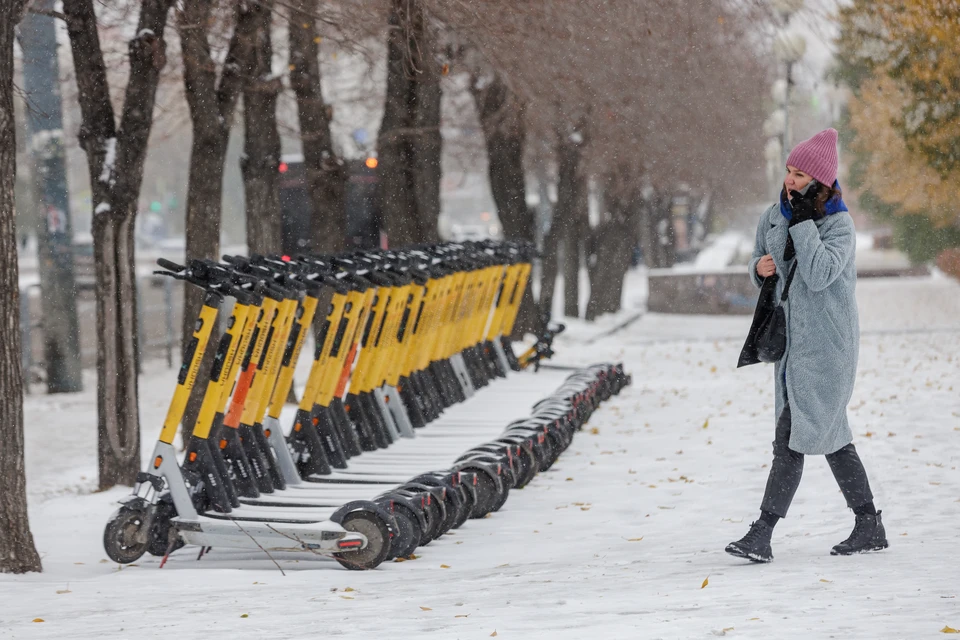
{"type": "Point", "coordinates": [58, 290]}
{"type": "Point", "coordinates": [17, 551]}
{"type": "Point", "coordinates": [648, 231]}
{"type": "Point", "coordinates": [115, 158]}
{"type": "Point", "coordinates": [261, 150]}
{"type": "Point", "coordinates": [213, 108]}
{"type": "Point", "coordinates": [427, 141]}
{"type": "Point", "coordinates": [570, 216]}
{"type": "Point", "coordinates": [611, 245]}
{"type": "Point", "coordinates": [663, 231]}
{"type": "Point", "coordinates": [326, 174]}
{"type": "Point", "coordinates": [409, 142]}
{"type": "Point", "coordinates": [394, 151]}
{"type": "Point", "coordinates": [549, 268]}
{"type": "Point", "coordinates": [570, 267]}
{"type": "Point", "coordinates": [501, 117]}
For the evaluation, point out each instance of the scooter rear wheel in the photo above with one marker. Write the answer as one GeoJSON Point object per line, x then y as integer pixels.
{"type": "Point", "coordinates": [377, 533]}
{"type": "Point", "coordinates": [123, 538]}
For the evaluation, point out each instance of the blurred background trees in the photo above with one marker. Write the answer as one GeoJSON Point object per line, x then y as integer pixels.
{"type": "Point", "coordinates": [901, 61]}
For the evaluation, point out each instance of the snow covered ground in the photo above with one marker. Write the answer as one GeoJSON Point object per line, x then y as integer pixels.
{"type": "Point", "coordinates": [623, 538]}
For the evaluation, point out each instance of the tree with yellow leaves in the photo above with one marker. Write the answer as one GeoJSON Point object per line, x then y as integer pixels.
{"type": "Point", "coordinates": [916, 44]}
{"type": "Point", "coordinates": [897, 174]}
{"type": "Point", "coordinates": [902, 61]}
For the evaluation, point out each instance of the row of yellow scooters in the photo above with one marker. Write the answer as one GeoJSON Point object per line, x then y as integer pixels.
{"type": "Point", "coordinates": [399, 337]}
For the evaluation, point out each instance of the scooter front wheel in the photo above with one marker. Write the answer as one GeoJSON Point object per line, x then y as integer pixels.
{"type": "Point", "coordinates": [377, 533]}
{"type": "Point", "coordinates": [124, 538]}
{"type": "Point", "coordinates": [163, 537]}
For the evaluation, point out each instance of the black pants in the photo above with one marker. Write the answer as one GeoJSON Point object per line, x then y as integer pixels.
{"type": "Point", "coordinates": [788, 467]}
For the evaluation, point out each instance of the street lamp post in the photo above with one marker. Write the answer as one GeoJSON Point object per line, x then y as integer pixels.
{"type": "Point", "coordinates": [789, 48]}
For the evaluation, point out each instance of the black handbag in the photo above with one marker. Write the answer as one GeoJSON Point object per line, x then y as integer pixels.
{"type": "Point", "coordinates": [767, 338]}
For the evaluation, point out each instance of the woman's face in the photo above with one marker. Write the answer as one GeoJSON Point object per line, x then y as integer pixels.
{"type": "Point", "coordinates": [795, 180]}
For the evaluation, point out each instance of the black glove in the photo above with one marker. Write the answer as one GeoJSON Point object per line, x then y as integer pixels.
{"type": "Point", "coordinates": [803, 205]}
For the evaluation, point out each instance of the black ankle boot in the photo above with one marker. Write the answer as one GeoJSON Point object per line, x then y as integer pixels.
{"type": "Point", "coordinates": [755, 546]}
{"type": "Point", "coordinates": [867, 535]}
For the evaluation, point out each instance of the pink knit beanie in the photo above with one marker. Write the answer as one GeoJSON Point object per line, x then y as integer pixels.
{"type": "Point", "coordinates": [817, 157]}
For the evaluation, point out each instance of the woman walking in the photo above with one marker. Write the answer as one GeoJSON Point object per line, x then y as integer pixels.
{"type": "Point", "coordinates": [809, 238]}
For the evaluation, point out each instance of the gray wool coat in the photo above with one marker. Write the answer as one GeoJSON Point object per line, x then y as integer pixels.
{"type": "Point", "coordinates": [817, 373]}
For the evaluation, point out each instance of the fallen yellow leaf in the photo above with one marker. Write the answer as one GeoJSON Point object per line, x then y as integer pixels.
{"type": "Point", "coordinates": [348, 589]}
{"type": "Point", "coordinates": [39, 620]}
{"type": "Point", "coordinates": [595, 431]}
{"type": "Point", "coordinates": [462, 615]}
{"type": "Point", "coordinates": [444, 566]}
{"type": "Point", "coordinates": [825, 580]}
{"type": "Point", "coordinates": [635, 539]}
{"type": "Point", "coordinates": [706, 423]}
{"type": "Point", "coordinates": [944, 630]}
{"type": "Point", "coordinates": [426, 609]}
{"type": "Point", "coordinates": [493, 635]}
{"type": "Point", "coordinates": [706, 581]}
{"type": "Point", "coordinates": [244, 615]}
{"type": "Point", "coordinates": [64, 591]}
{"type": "Point", "coordinates": [569, 479]}
{"type": "Point", "coordinates": [347, 597]}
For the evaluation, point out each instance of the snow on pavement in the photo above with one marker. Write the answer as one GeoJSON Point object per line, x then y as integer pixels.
{"type": "Point", "coordinates": [617, 540]}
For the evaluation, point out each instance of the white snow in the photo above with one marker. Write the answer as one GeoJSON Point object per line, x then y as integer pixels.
{"type": "Point", "coordinates": [46, 141]}
{"type": "Point", "coordinates": [720, 254]}
{"type": "Point", "coordinates": [103, 207]}
{"type": "Point", "coordinates": [615, 541]}
{"type": "Point", "coordinates": [109, 160]}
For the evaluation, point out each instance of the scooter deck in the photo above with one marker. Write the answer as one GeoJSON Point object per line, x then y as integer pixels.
{"type": "Point", "coordinates": [320, 494]}
{"type": "Point", "coordinates": [323, 535]}
{"type": "Point", "coordinates": [253, 513]}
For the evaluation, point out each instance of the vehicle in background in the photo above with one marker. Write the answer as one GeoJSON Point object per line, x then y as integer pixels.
{"type": "Point", "coordinates": [466, 207]}
{"type": "Point", "coordinates": [462, 232]}
{"type": "Point", "coordinates": [364, 221]}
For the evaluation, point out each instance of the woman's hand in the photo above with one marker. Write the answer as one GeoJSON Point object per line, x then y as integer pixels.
{"type": "Point", "coordinates": [766, 267]}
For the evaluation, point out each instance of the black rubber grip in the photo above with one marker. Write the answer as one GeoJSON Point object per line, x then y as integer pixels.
{"type": "Point", "coordinates": [170, 266]}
